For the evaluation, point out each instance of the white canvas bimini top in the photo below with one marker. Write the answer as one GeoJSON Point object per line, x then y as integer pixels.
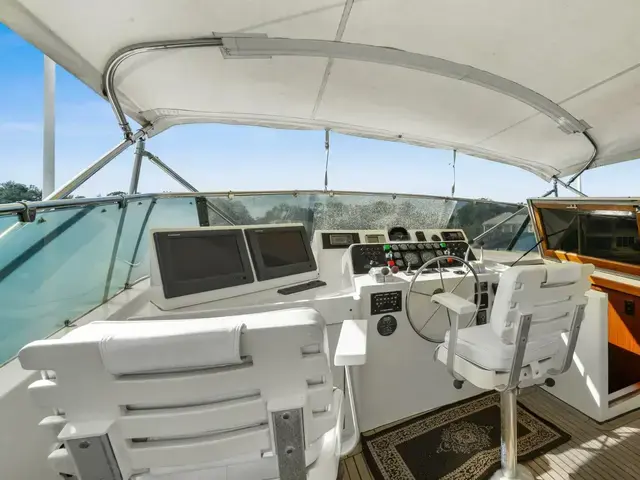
{"type": "Point", "coordinates": [507, 80]}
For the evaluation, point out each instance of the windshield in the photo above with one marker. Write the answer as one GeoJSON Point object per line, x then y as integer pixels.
{"type": "Point", "coordinates": [364, 211]}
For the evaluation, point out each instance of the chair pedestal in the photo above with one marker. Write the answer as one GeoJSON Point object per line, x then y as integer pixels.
{"type": "Point", "coordinates": [510, 470]}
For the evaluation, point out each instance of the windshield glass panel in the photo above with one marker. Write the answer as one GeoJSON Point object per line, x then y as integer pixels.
{"type": "Point", "coordinates": [606, 234]}
{"type": "Point", "coordinates": [335, 211]}
{"type": "Point", "coordinates": [53, 270]}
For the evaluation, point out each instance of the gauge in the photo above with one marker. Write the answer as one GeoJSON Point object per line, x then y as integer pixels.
{"type": "Point", "coordinates": [398, 233]}
{"type": "Point", "coordinates": [394, 247]}
{"type": "Point", "coordinates": [397, 255]}
{"type": "Point", "coordinates": [435, 238]}
{"type": "Point", "coordinates": [400, 263]}
{"type": "Point", "coordinates": [421, 246]}
{"type": "Point", "coordinates": [439, 253]}
{"type": "Point", "coordinates": [403, 246]}
{"type": "Point", "coordinates": [412, 246]}
{"type": "Point", "coordinates": [428, 246]}
{"type": "Point", "coordinates": [427, 255]}
{"type": "Point", "coordinates": [412, 258]}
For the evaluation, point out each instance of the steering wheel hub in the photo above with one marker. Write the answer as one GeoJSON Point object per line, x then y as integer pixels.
{"type": "Point", "coordinates": [420, 324]}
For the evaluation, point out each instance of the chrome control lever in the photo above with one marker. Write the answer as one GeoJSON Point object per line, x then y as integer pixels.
{"type": "Point", "coordinates": [380, 274]}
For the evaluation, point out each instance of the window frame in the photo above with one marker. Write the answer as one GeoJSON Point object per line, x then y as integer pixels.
{"type": "Point", "coordinates": [562, 255]}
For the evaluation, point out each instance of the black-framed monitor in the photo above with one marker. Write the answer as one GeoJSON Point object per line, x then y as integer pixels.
{"type": "Point", "coordinates": [280, 251]}
{"type": "Point", "coordinates": [196, 261]}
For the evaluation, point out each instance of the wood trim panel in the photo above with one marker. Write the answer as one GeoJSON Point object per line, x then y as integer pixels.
{"type": "Point", "coordinates": [602, 284]}
{"type": "Point", "coordinates": [584, 206]}
{"type": "Point", "coordinates": [624, 329]}
{"type": "Point", "coordinates": [538, 225]}
{"type": "Point", "coordinates": [598, 262]}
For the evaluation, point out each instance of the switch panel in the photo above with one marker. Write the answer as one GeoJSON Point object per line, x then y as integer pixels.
{"type": "Point", "coordinates": [386, 302]}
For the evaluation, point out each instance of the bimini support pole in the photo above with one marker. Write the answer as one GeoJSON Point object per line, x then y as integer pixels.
{"type": "Point", "coordinates": [96, 166]}
{"type": "Point", "coordinates": [137, 164]}
{"type": "Point", "coordinates": [169, 171]}
{"type": "Point", "coordinates": [49, 126]}
{"type": "Point", "coordinates": [569, 187]}
{"type": "Point", "coordinates": [108, 78]}
{"type": "Point", "coordinates": [173, 174]}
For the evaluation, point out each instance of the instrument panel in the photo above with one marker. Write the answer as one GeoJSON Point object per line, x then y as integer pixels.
{"type": "Point", "coordinates": [405, 255]}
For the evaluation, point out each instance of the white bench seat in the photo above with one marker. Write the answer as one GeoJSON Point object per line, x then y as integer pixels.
{"type": "Point", "coordinates": [156, 390]}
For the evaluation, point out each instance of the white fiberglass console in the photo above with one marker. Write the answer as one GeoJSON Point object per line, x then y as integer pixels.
{"type": "Point", "coordinates": [405, 326]}
{"type": "Point", "coordinates": [211, 272]}
{"type": "Point", "coordinates": [195, 266]}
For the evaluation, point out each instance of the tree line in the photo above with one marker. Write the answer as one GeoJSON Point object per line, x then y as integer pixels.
{"type": "Point", "coordinates": [11, 191]}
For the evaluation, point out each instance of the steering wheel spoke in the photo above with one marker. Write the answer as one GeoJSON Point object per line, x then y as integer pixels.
{"type": "Point", "coordinates": [459, 282]}
{"type": "Point", "coordinates": [441, 279]}
{"type": "Point", "coordinates": [430, 317]}
{"type": "Point", "coordinates": [416, 276]}
{"type": "Point", "coordinates": [423, 293]}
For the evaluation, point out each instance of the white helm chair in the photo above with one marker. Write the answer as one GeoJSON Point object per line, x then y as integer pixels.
{"type": "Point", "coordinates": [531, 334]}
{"type": "Point", "coordinates": [242, 397]}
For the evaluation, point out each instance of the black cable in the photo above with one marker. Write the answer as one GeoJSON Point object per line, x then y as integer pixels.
{"type": "Point", "coordinates": [544, 237]}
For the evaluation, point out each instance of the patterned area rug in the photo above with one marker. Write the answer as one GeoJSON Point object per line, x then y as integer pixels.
{"type": "Point", "coordinates": [456, 442]}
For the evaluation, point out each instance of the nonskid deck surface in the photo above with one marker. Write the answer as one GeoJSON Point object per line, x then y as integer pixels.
{"type": "Point", "coordinates": [610, 451]}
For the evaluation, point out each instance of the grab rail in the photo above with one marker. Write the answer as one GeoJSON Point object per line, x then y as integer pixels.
{"type": "Point", "coordinates": [19, 207]}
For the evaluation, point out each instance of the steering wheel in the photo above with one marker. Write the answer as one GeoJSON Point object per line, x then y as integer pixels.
{"type": "Point", "coordinates": [419, 327]}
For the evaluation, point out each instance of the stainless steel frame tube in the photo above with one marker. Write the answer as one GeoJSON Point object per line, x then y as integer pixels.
{"type": "Point", "coordinates": [137, 164]}
{"type": "Point", "coordinates": [92, 169]}
{"type": "Point", "coordinates": [509, 433]}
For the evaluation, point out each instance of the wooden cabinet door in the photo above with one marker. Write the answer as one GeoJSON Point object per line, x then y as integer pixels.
{"type": "Point", "coordinates": [624, 339]}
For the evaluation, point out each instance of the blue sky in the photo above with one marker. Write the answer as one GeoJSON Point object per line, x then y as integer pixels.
{"type": "Point", "coordinates": [219, 157]}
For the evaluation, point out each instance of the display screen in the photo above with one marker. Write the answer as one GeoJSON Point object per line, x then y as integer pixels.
{"type": "Point", "coordinates": [341, 239]}
{"type": "Point", "coordinates": [448, 236]}
{"type": "Point", "coordinates": [282, 248]}
{"type": "Point", "coordinates": [280, 251]}
{"type": "Point", "coordinates": [198, 261]}
{"type": "Point", "coordinates": [194, 258]}
{"type": "Point", "coordinates": [375, 239]}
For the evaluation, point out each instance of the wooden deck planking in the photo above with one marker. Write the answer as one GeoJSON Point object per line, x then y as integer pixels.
{"type": "Point", "coordinates": [609, 451]}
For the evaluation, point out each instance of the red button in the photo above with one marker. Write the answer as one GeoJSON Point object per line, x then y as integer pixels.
{"type": "Point", "coordinates": [449, 260]}
{"type": "Point", "coordinates": [391, 263]}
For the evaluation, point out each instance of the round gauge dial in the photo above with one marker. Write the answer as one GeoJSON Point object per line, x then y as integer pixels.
{"type": "Point", "coordinates": [403, 246]}
{"type": "Point", "coordinates": [412, 246]}
{"type": "Point", "coordinates": [427, 255]}
{"type": "Point", "coordinates": [439, 253]}
{"type": "Point", "coordinates": [421, 246]}
{"type": "Point", "coordinates": [412, 258]}
{"type": "Point", "coordinates": [394, 247]}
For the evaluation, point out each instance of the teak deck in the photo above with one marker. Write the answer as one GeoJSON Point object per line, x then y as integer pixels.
{"type": "Point", "coordinates": [608, 451]}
